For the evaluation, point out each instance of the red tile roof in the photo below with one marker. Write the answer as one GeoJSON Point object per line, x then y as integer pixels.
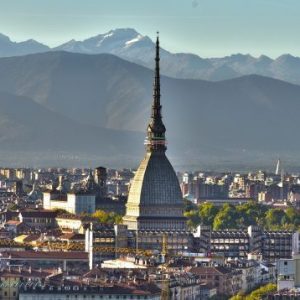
{"type": "Point", "coordinates": [39, 214]}
{"type": "Point", "coordinates": [40, 255]}
{"type": "Point", "coordinates": [13, 222]}
{"type": "Point", "coordinates": [210, 270]}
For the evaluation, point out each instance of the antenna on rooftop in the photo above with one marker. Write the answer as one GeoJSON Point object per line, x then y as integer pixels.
{"type": "Point", "coordinates": [278, 166]}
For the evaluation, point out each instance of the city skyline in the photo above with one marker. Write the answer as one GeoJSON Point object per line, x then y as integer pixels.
{"type": "Point", "coordinates": [207, 214]}
{"type": "Point", "coordinates": [221, 27]}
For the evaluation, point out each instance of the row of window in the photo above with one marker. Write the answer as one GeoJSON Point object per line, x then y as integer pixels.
{"type": "Point", "coordinates": [112, 296]}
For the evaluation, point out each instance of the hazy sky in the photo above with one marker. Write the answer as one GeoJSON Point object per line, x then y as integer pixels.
{"type": "Point", "coordinates": [205, 27]}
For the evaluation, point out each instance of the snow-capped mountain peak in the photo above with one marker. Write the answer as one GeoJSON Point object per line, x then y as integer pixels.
{"type": "Point", "coordinates": [134, 40]}
{"type": "Point", "coordinates": [114, 41]}
{"type": "Point", "coordinates": [4, 38]}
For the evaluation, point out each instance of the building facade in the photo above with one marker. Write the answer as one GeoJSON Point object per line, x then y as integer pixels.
{"type": "Point", "coordinates": [73, 202]}
{"type": "Point", "coordinates": [271, 245]}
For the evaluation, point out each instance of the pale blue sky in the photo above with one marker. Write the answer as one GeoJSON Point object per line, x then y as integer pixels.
{"type": "Point", "coordinates": [210, 28]}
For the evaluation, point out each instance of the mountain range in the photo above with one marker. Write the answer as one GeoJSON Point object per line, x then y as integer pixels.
{"type": "Point", "coordinates": [9, 48]}
{"type": "Point", "coordinates": [131, 45]}
{"type": "Point", "coordinates": [61, 108]}
{"type": "Point", "coordinates": [32, 135]}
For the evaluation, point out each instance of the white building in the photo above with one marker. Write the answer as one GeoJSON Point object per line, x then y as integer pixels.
{"type": "Point", "coordinates": [73, 202]}
{"type": "Point", "coordinates": [253, 273]}
{"type": "Point", "coordinates": [286, 274]}
{"type": "Point", "coordinates": [288, 271]}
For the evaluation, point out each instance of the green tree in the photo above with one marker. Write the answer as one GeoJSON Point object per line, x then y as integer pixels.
{"type": "Point", "coordinates": [260, 292]}
{"type": "Point", "coordinates": [115, 218]}
{"type": "Point", "coordinates": [241, 216]}
{"type": "Point", "coordinates": [251, 212]}
{"type": "Point", "coordinates": [274, 218]}
{"type": "Point", "coordinates": [189, 205]}
{"type": "Point", "coordinates": [226, 217]}
{"type": "Point", "coordinates": [257, 294]}
{"type": "Point", "coordinates": [107, 218]}
{"type": "Point", "coordinates": [293, 216]}
{"type": "Point", "coordinates": [101, 215]}
{"type": "Point", "coordinates": [237, 297]}
{"type": "Point", "coordinates": [193, 218]}
{"type": "Point", "coordinates": [207, 213]}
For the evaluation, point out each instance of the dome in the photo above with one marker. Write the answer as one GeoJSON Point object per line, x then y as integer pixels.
{"type": "Point", "coordinates": [155, 201]}
{"type": "Point", "coordinates": [155, 182]}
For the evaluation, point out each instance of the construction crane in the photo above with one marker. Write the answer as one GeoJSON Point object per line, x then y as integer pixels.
{"type": "Point", "coordinates": [80, 246]}
{"type": "Point", "coordinates": [165, 287]}
{"type": "Point", "coordinates": [73, 246]}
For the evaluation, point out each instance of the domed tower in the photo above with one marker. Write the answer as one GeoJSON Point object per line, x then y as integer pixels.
{"type": "Point", "coordinates": [155, 201]}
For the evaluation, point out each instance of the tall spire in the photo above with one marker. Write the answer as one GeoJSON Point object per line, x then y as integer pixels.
{"type": "Point", "coordinates": [156, 129]}
{"type": "Point", "coordinates": [156, 86]}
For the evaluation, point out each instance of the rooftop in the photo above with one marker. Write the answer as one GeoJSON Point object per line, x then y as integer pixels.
{"type": "Point", "coordinates": [38, 214]}
{"type": "Point", "coordinates": [39, 255]}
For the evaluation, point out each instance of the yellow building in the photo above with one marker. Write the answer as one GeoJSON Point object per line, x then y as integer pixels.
{"type": "Point", "coordinates": [9, 286]}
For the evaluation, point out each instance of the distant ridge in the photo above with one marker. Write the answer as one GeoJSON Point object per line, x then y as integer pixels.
{"type": "Point", "coordinates": [133, 46]}
{"type": "Point", "coordinates": [96, 107]}
{"type": "Point", "coordinates": [31, 135]}
{"type": "Point", "coordinates": [9, 48]}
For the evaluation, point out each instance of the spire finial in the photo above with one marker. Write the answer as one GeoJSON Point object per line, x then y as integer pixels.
{"type": "Point", "coordinates": [157, 75]}
{"type": "Point", "coordinates": [156, 128]}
